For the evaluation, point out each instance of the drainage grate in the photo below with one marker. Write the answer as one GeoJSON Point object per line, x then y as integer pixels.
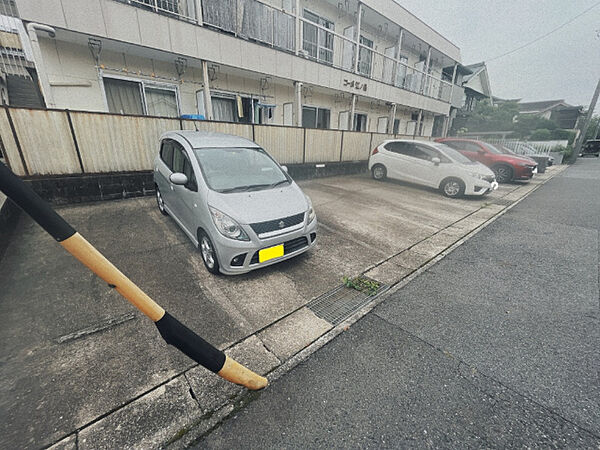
{"type": "Point", "coordinates": [340, 303]}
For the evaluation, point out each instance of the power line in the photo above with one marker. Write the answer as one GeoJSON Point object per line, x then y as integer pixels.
{"type": "Point", "coordinates": [544, 35]}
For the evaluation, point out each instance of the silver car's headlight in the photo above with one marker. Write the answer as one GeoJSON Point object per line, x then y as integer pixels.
{"type": "Point", "coordinates": [311, 212]}
{"type": "Point", "coordinates": [227, 226]}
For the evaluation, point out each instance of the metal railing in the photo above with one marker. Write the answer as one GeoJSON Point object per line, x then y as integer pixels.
{"type": "Point", "coordinates": [276, 27]}
{"type": "Point", "coordinates": [182, 9]}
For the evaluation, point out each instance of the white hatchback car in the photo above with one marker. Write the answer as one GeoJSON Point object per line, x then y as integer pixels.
{"type": "Point", "coordinates": [431, 164]}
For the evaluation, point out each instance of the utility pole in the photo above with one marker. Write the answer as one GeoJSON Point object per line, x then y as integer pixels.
{"type": "Point", "coordinates": [586, 124]}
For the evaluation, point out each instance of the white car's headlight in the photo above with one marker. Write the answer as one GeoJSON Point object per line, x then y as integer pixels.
{"type": "Point", "coordinates": [476, 175]}
{"type": "Point", "coordinates": [311, 212]}
{"type": "Point", "coordinates": [227, 226]}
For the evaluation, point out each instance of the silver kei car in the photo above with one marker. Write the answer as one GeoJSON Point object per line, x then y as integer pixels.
{"type": "Point", "coordinates": [233, 201]}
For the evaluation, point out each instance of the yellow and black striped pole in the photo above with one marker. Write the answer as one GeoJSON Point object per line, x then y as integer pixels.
{"type": "Point", "coordinates": [172, 331]}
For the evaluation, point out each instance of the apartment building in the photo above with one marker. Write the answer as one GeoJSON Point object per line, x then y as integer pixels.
{"type": "Point", "coordinates": [363, 65]}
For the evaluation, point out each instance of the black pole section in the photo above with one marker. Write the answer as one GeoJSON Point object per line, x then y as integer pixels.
{"type": "Point", "coordinates": [179, 336]}
{"type": "Point", "coordinates": [32, 204]}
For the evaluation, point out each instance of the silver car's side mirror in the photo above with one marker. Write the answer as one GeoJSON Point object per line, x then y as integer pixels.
{"type": "Point", "coordinates": [285, 169]}
{"type": "Point", "coordinates": [178, 178]}
{"type": "Point", "coordinates": [436, 161]}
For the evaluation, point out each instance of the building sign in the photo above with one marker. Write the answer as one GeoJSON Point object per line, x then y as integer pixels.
{"type": "Point", "coordinates": [355, 84]}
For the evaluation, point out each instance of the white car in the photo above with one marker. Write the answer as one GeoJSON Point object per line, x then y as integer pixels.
{"type": "Point", "coordinates": [431, 164]}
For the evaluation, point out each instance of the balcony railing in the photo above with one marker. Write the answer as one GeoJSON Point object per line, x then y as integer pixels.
{"type": "Point", "coordinates": [258, 22]}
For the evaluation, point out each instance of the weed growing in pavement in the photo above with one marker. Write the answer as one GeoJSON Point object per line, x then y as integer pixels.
{"type": "Point", "coordinates": [362, 284]}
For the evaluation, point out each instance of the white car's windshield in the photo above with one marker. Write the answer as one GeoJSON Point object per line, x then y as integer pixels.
{"type": "Point", "coordinates": [454, 155]}
{"type": "Point", "coordinates": [239, 169]}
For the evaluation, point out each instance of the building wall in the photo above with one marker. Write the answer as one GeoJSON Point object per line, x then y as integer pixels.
{"type": "Point", "coordinates": [72, 66]}
{"type": "Point", "coordinates": [127, 25]}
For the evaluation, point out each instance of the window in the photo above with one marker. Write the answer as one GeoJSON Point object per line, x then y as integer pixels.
{"type": "Point", "coordinates": [316, 42]}
{"type": "Point", "coordinates": [314, 117]}
{"type": "Point", "coordinates": [166, 153]}
{"type": "Point", "coordinates": [360, 122]}
{"type": "Point", "coordinates": [188, 170]}
{"type": "Point", "coordinates": [235, 108]}
{"type": "Point", "coordinates": [178, 158]}
{"type": "Point", "coordinates": [365, 56]}
{"type": "Point", "coordinates": [140, 97]}
{"type": "Point", "coordinates": [161, 102]}
{"type": "Point", "coordinates": [224, 109]}
{"type": "Point", "coordinates": [407, 149]}
{"type": "Point", "coordinates": [123, 97]}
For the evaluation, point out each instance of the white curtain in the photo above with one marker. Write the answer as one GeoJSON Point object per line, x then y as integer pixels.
{"type": "Point", "coordinates": [224, 109]}
{"type": "Point", "coordinates": [161, 102]}
{"type": "Point", "coordinates": [123, 97]}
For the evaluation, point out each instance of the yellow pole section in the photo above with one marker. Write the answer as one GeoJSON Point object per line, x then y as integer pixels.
{"type": "Point", "coordinates": [85, 252]}
{"type": "Point", "coordinates": [236, 373]}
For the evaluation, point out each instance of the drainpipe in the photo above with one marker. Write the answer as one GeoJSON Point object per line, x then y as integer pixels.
{"type": "Point", "coordinates": [298, 87]}
{"type": "Point", "coordinates": [391, 119]}
{"type": "Point", "coordinates": [32, 29]}
{"type": "Point", "coordinates": [208, 110]}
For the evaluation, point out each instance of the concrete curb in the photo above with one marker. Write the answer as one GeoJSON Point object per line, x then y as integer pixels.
{"type": "Point", "coordinates": [190, 404]}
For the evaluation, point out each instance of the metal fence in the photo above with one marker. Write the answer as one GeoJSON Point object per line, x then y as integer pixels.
{"type": "Point", "coordinates": [58, 142]}
{"type": "Point", "coordinates": [522, 147]}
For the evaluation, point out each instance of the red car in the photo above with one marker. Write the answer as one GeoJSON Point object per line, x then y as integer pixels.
{"type": "Point", "coordinates": [506, 167]}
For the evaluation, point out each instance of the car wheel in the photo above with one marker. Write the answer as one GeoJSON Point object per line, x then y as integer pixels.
{"type": "Point", "coordinates": [160, 202]}
{"type": "Point", "coordinates": [379, 172]}
{"type": "Point", "coordinates": [209, 255]}
{"type": "Point", "coordinates": [453, 188]}
{"type": "Point", "coordinates": [503, 173]}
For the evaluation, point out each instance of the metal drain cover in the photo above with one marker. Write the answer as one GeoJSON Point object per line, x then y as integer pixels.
{"type": "Point", "coordinates": [340, 303]}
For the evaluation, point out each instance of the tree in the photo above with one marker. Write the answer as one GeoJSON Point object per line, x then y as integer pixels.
{"type": "Point", "coordinates": [486, 117]}
{"type": "Point", "coordinates": [591, 132]}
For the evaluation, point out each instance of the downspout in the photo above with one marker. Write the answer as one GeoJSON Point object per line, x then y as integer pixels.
{"type": "Point", "coordinates": [32, 29]}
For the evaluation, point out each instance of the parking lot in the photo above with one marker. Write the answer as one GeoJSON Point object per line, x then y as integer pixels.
{"type": "Point", "coordinates": [74, 351]}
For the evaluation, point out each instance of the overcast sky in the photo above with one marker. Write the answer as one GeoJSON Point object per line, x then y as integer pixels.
{"type": "Point", "coordinates": [565, 64]}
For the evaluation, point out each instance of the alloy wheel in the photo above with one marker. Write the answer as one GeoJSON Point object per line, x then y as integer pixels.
{"type": "Point", "coordinates": [452, 188]}
{"type": "Point", "coordinates": [378, 173]}
{"type": "Point", "coordinates": [208, 254]}
{"type": "Point", "coordinates": [503, 174]}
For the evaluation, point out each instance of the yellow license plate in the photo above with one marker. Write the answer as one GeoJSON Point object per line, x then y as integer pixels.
{"type": "Point", "coordinates": [270, 253]}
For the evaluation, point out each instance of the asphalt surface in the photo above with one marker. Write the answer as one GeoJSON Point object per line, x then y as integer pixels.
{"type": "Point", "coordinates": [495, 346]}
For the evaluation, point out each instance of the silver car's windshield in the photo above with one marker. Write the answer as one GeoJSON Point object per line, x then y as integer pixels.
{"type": "Point", "coordinates": [454, 155]}
{"type": "Point", "coordinates": [239, 169]}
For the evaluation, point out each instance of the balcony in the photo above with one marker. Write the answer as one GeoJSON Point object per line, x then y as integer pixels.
{"type": "Point", "coordinates": [314, 38]}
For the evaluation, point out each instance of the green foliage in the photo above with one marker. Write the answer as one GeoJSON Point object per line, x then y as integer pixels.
{"type": "Point", "coordinates": [506, 117]}
{"type": "Point", "coordinates": [541, 134]}
{"type": "Point", "coordinates": [566, 151]}
{"type": "Point", "coordinates": [361, 284]}
{"type": "Point", "coordinates": [591, 131]}
{"type": "Point", "coordinates": [561, 135]}
{"type": "Point", "coordinates": [486, 117]}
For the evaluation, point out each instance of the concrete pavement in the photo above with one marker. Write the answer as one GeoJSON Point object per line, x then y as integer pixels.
{"type": "Point", "coordinates": [81, 368]}
{"type": "Point", "coordinates": [497, 345]}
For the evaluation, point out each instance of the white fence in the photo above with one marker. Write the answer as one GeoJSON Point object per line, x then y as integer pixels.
{"type": "Point", "coordinates": [528, 147]}
{"type": "Point", "coordinates": [39, 142]}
